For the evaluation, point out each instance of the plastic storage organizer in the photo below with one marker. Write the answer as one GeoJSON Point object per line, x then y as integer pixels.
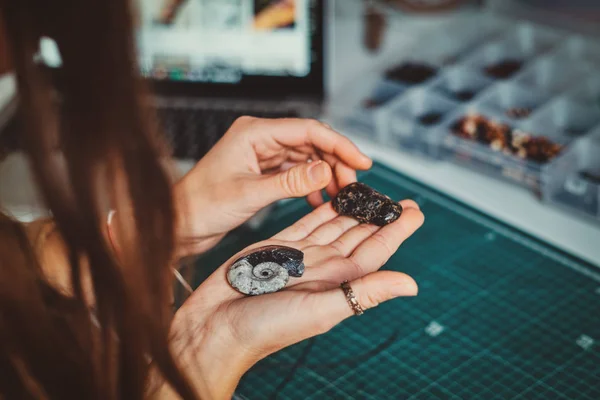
{"type": "Point", "coordinates": [539, 87]}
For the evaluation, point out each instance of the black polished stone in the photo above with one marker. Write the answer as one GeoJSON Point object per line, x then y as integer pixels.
{"type": "Point", "coordinates": [366, 205]}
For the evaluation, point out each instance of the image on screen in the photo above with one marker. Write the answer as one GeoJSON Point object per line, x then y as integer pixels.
{"type": "Point", "coordinates": [223, 40]}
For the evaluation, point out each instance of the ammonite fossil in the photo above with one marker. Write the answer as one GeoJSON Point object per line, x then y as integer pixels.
{"type": "Point", "coordinates": [265, 270]}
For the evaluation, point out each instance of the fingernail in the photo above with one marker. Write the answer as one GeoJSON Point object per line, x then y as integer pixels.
{"type": "Point", "coordinates": [317, 171]}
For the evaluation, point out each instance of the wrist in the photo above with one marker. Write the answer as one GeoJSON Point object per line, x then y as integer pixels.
{"type": "Point", "coordinates": [192, 237]}
{"type": "Point", "coordinates": [212, 363]}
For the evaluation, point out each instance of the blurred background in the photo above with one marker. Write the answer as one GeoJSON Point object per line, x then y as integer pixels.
{"type": "Point", "coordinates": [486, 112]}
{"type": "Point", "coordinates": [496, 103]}
{"type": "Point", "coordinates": [509, 89]}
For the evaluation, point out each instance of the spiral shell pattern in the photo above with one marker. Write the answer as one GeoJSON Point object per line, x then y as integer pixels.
{"type": "Point", "coordinates": [265, 270]}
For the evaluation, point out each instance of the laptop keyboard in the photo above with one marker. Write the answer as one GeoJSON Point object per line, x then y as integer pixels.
{"type": "Point", "coordinates": [192, 132]}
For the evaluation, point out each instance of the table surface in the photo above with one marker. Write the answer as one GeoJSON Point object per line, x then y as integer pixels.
{"type": "Point", "coordinates": [499, 315]}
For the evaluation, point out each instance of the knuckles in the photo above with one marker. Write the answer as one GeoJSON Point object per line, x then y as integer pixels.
{"type": "Point", "coordinates": [244, 120]}
{"type": "Point", "coordinates": [243, 123]}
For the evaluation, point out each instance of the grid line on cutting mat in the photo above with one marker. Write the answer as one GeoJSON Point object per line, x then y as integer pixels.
{"type": "Point", "coordinates": [506, 303]}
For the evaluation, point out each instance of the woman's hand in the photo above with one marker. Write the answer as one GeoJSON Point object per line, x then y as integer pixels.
{"type": "Point", "coordinates": [218, 334]}
{"type": "Point", "coordinates": [256, 163]}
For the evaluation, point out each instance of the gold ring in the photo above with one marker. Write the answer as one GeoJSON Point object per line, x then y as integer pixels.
{"type": "Point", "coordinates": [351, 298]}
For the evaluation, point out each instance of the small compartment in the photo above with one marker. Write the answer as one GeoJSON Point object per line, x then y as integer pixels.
{"type": "Point", "coordinates": [512, 101]}
{"type": "Point", "coordinates": [487, 142]}
{"type": "Point", "coordinates": [579, 48]}
{"type": "Point", "coordinates": [551, 75]}
{"type": "Point", "coordinates": [588, 92]}
{"type": "Point", "coordinates": [572, 118]}
{"type": "Point", "coordinates": [574, 185]}
{"type": "Point", "coordinates": [461, 83]}
{"type": "Point", "coordinates": [444, 46]}
{"type": "Point", "coordinates": [414, 120]}
{"type": "Point", "coordinates": [381, 94]}
{"type": "Point", "coordinates": [472, 31]}
{"type": "Point", "coordinates": [443, 51]}
{"type": "Point", "coordinates": [412, 71]}
{"type": "Point", "coordinates": [448, 45]}
{"type": "Point", "coordinates": [420, 65]}
{"type": "Point", "coordinates": [360, 109]}
{"type": "Point", "coordinates": [498, 60]}
{"type": "Point", "coordinates": [532, 39]}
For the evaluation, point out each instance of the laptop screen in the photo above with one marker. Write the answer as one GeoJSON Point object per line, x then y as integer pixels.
{"type": "Point", "coordinates": [227, 41]}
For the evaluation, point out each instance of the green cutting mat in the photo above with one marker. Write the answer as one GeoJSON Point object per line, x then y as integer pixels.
{"type": "Point", "coordinates": [499, 315]}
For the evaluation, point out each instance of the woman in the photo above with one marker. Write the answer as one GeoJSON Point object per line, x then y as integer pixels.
{"type": "Point", "coordinates": [85, 296]}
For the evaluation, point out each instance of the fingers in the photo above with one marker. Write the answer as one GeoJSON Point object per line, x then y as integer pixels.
{"type": "Point", "coordinates": [331, 307]}
{"type": "Point", "coordinates": [307, 224]}
{"type": "Point", "coordinates": [293, 316]}
{"type": "Point", "coordinates": [324, 226]}
{"type": "Point", "coordinates": [374, 252]}
{"type": "Point", "coordinates": [315, 199]}
{"type": "Point", "coordinates": [344, 175]}
{"type": "Point", "coordinates": [300, 132]}
{"type": "Point", "coordinates": [275, 163]}
{"type": "Point", "coordinates": [332, 189]}
{"type": "Point", "coordinates": [292, 156]}
{"type": "Point", "coordinates": [331, 230]}
{"type": "Point", "coordinates": [362, 249]}
{"type": "Point", "coordinates": [298, 156]}
{"type": "Point", "coordinates": [305, 140]}
{"type": "Point", "coordinates": [297, 181]}
{"type": "Point", "coordinates": [349, 241]}
{"type": "Point", "coordinates": [345, 233]}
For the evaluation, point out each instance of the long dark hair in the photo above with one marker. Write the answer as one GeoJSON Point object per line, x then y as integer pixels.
{"type": "Point", "coordinates": [92, 146]}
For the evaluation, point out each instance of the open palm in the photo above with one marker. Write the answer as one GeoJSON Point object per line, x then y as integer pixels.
{"type": "Point", "coordinates": [225, 332]}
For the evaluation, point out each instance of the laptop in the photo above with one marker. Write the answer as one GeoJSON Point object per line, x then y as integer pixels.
{"type": "Point", "coordinates": [212, 61]}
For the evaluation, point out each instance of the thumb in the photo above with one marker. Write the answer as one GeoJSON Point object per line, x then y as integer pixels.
{"type": "Point", "coordinates": [370, 291]}
{"type": "Point", "coordinates": [298, 181]}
